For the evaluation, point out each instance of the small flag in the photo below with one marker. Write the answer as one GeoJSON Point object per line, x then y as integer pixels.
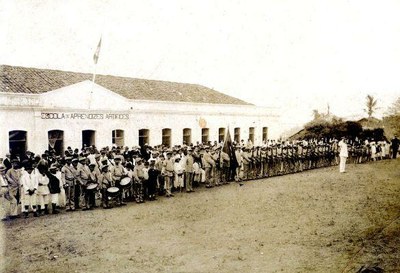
{"type": "Point", "coordinates": [97, 53]}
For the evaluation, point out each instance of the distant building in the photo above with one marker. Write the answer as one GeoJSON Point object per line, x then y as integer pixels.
{"type": "Point", "coordinates": [41, 108]}
{"type": "Point", "coordinates": [370, 123]}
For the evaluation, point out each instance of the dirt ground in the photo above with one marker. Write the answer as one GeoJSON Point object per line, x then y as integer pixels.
{"type": "Point", "coordinates": [316, 221]}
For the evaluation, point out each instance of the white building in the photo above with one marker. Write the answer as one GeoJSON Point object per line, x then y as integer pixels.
{"type": "Point", "coordinates": [41, 108]}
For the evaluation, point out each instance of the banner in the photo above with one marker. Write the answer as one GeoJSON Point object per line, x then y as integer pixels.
{"type": "Point", "coordinates": [230, 150]}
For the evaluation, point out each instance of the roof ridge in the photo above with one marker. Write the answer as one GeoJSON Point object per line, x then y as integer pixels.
{"type": "Point", "coordinates": [40, 80]}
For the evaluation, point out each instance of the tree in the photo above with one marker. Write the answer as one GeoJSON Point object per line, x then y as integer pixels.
{"type": "Point", "coordinates": [391, 121]}
{"type": "Point", "coordinates": [394, 109]}
{"type": "Point", "coordinates": [370, 103]}
{"type": "Point", "coordinates": [392, 125]}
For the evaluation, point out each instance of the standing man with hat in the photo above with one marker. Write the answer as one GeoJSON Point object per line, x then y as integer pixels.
{"type": "Point", "coordinates": [395, 146]}
{"type": "Point", "coordinates": [208, 165]}
{"type": "Point", "coordinates": [13, 176]}
{"type": "Point", "coordinates": [69, 176]}
{"type": "Point", "coordinates": [54, 186]}
{"type": "Point", "coordinates": [29, 184]}
{"type": "Point", "coordinates": [152, 180]}
{"type": "Point", "coordinates": [78, 184]}
{"type": "Point", "coordinates": [159, 167]}
{"type": "Point", "coordinates": [188, 167]}
{"type": "Point", "coordinates": [84, 176]}
{"type": "Point", "coordinates": [343, 154]}
{"type": "Point", "coordinates": [43, 190]}
{"type": "Point", "coordinates": [117, 173]}
{"type": "Point", "coordinates": [217, 167]}
{"type": "Point", "coordinates": [138, 177]}
{"type": "Point", "coordinates": [105, 181]}
{"type": "Point", "coordinates": [168, 172]}
{"type": "Point", "coordinates": [93, 179]}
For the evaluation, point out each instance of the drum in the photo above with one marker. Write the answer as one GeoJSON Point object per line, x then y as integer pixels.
{"type": "Point", "coordinates": [125, 182]}
{"type": "Point", "coordinates": [112, 191]}
{"type": "Point", "coordinates": [92, 187]}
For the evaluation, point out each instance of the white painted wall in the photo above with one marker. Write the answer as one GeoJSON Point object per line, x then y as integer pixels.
{"type": "Point", "coordinates": [26, 112]}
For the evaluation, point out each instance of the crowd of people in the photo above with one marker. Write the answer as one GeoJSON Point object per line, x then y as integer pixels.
{"type": "Point", "coordinates": [109, 177]}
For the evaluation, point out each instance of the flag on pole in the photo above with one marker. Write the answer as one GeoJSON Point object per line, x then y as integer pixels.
{"type": "Point", "coordinates": [97, 52]}
{"type": "Point", "coordinates": [230, 150]}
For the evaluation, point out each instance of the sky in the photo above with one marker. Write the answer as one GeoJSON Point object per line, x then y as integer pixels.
{"type": "Point", "coordinates": [292, 55]}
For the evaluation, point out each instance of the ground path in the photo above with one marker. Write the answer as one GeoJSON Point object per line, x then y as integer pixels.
{"type": "Point", "coordinates": [315, 221]}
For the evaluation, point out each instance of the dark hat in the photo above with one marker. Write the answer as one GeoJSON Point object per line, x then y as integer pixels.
{"type": "Point", "coordinates": [28, 165]}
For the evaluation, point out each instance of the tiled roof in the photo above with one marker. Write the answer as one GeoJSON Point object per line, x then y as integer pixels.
{"type": "Point", "coordinates": [35, 81]}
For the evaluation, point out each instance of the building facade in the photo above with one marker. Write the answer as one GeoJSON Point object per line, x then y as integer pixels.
{"type": "Point", "coordinates": [87, 113]}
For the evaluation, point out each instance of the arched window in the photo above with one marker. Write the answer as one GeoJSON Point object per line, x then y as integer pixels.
{"type": "Point", "coordinates": [166, 137]}
{"type": "Point", "coordinates": [187, 136]}
{"type": "Point", "coordinates": [251, 134]}
{"type": "Point", "coordinates": [221, 134]}
{"type": "Point", "coordinates": [88, 138]}
{"type": "Point", "coordinates": [118, 137]}
{"type": "Point", "coordinates": [144, 136]}
{"type": "Point", "coordinates": [264, 133]}
{"type": "Point", "coordinates": [236, 136]}
{"type": "Point", "coordinates": [205, 135]}
{"type": "Point", "coordinates": [56, 141]}
{"type": "Point", "coordinates": [17, 142]}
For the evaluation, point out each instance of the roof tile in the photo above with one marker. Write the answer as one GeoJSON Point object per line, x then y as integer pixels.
{"type": "Point", "coordinates": [17, 79]}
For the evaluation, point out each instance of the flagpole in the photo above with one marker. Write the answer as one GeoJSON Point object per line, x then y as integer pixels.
{"type": "Point", "coordinates": [94, 73]}
{"type": "Point", "coordinates": [95, 59]}
{"type": "Point", "coordinates": [92, 88]}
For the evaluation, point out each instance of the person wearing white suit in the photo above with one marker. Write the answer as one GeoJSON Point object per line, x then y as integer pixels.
{"type": "Point", "coordinates": [43, 192]}
{"type": "Point", "coordinates": [343, 154]}
{"type": "Point", "coordinates": [29, 182]}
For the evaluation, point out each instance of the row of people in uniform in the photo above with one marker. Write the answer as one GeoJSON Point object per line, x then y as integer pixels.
{"type": "Point", "coordinates": [118, 175]}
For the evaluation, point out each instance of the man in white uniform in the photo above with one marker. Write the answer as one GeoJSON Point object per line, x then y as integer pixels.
{"type": "Point", "coordinates": [29, 182]}
{"type": "Point", "coordinates": [343, 154]}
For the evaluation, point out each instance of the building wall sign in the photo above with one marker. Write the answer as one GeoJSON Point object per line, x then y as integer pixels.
{"type": "Point", "coordinates": [79, 116]}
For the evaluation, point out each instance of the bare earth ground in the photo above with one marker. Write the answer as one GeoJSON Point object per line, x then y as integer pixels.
{"type": "Point", "coordinates": [316, 221]}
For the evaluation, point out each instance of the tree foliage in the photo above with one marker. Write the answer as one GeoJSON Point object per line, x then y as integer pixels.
{"type": "Point", "coordinates": [392, 125]}
{"type": "Point", "coordinates": [391, 121]}
{"type": "Point", "coordinates": [394, 109]}
{"type": "Point", "coordinates": [338, 128]}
